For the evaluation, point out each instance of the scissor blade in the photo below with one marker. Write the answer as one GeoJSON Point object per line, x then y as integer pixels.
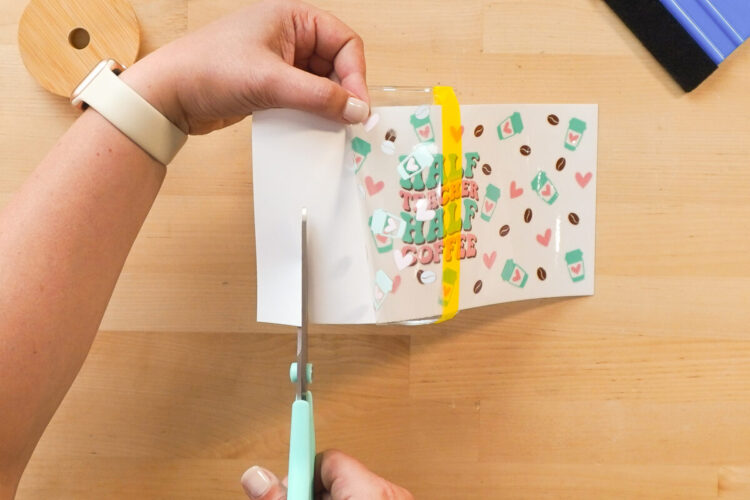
{"type": "Point", "coordinates": [302, 330]}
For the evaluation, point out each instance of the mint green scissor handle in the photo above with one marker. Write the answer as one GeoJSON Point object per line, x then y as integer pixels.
{"type": "Point", "coordinates": [301, 449]}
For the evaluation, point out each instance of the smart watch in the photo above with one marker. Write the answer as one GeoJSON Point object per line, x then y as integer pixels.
{"type": "Point", "coordinates": [129, 112]}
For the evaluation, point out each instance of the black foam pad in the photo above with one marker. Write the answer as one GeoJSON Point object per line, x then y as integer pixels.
{"type": "Point", "coordinates": [666, 39]}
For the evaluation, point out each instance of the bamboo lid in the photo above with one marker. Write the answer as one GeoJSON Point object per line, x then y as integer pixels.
{"type": "Point", "coordinates": [62, 40]}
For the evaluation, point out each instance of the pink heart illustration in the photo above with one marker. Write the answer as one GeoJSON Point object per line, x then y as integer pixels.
{"type": "Point", "coordinates": [446, 290]}
{"type": "Point", "coordinates": [489, 259]}
{"type": "Point", "coordinates": [547, 190]}
{"type": "Point", "coordinates": [424, 131]}
{"type": "Point", "coordinates": [457, 132]}
{"type": "Point", "coordinates": [372, 186]}
{"type": "Point", "coordinates": [517, 275]}
{"type": "Point", "coordinates": [572, 138]}
{"type": "Point", "coordinates": [544, 240]}
{"type": "Point", "coordinates": [507, 128]}
{"type": "Point", "coordinates": [396, 283]}
{"type": "Point", "coordinates": [358, 159]}
{"type": "Point", "coordinates": [582, 180]}
{"type": "Point", "coordinates": [403, 260]}
{"type": "Point", "coordinates": [515, 191]}
{"type": "Point", "coordinates": [576, 269]}
{"type": "Point", "coordinates": [488, 206]}
{"type": "Point", "coordinates": [381, 238]}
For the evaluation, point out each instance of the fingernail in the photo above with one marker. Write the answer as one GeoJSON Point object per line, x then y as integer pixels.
{"type": "Point", "coordinates": [356, 111]}
{"type": "Point", "coordinates": [256, 482]}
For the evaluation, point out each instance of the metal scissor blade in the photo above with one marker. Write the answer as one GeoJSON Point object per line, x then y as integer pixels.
{"type": "Point", "coordinates": [302, 330]}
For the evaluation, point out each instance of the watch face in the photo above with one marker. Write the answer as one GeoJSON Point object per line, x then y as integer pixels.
{"type": "Point", "coordinates": [103, 65]}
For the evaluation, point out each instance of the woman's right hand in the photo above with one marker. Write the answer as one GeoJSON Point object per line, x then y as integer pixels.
{"type": "Point", "coordinates": [337, 477]}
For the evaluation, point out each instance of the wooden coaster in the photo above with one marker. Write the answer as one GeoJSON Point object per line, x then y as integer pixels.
{"type": "Point", "coordinates": [62, 40]}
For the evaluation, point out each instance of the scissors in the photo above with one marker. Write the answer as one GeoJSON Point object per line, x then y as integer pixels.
{"type": "Point", "coordinates": [302, 435]}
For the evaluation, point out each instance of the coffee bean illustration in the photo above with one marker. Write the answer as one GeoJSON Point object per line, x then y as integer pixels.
{"type": "Point", "coordinates": [541, 274]}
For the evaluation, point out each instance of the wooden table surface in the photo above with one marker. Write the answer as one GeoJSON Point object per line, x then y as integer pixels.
{"type": "Point", "coordinates": [641, 391]}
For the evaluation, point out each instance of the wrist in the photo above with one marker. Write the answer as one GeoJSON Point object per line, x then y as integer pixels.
{"type": "Point", "coordinates": [154, 83]}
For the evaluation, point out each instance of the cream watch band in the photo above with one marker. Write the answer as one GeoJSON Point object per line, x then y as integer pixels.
{"type": "Point", "coordinates": [129, 112]}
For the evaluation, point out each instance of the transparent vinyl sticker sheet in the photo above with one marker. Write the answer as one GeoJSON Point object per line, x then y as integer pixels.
{"type": "Point", "coordinates": [527, 220]}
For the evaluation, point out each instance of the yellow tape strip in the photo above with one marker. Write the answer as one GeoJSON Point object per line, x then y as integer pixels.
{"type": "Point", "coordinates": [451, 199]}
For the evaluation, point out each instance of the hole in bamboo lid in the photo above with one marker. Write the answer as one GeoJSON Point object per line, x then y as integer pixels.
{"type": "Point", "coordinates": [79, 38]}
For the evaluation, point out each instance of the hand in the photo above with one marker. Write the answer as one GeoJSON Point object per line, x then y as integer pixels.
{"type": "Point", "coordinates": [272, 54]}
{"type": "Point", "coordinates": [337, 477]}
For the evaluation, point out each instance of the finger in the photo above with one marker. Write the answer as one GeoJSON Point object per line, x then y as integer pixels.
{"type": "Point", "coordinates": [293, 88]}
{"type": "Point", "coordinates": [320, 33]}
{"type": "Point", "coordinates": [336, 472]}
{"type": "Point", "coordinates": [261, 484]}
{"type": "Point", "coordinates": [319, 66]}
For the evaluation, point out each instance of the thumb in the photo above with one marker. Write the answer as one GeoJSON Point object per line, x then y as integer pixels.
{"type": "Point", "coordinates": [298, 89]}
{"type": "Point", "coordinates": [261, 484]}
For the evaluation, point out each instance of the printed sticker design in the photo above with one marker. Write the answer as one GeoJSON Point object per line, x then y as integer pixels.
{"type": "Point", "coordinates": [491, 195]}
{"type": "Point", "coordinates": [574, 259]}
{"type": "Point", "coordinates": [544, 188]}
{"type": "Point", "coordinates": [419, 159]}
{"type": "Point", "coordinates": [489, 259]}
{"type": "Point", "coordinates": [416, 226]}
{"type": "Point", "coordinates": [582, 180]}
{"type": "Point", "coordinates": [420, 120]}
{"type": "Point", "coordinates": [404, 260]}
{"type": "Point", "coordinates": [514, 274]}
{"type": "Point", "coordinates": [574, 134]}
{"type": "Point", "coordinates": [449, 286]}
{"type": "Point", "coordinates": [383, 286]}
{"type": "Point", "coordinates": [510, 126]}
{"type": "Point", "coordinates": [383, 244]}
{"type": "Point", "coordinates": [373, 187]}
{"type": "Point", "coordinates": [361, 149]}
{"type": "Point", "coordinates": [389, 144]}
{"type": "Point", "coordinates": [385, 224]}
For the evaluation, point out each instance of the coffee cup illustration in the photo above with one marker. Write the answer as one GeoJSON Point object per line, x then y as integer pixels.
{"type": "Point", "coordinates": [383, 286]}
{"type": "Point", "coordinates": [514, 274]}
{"type": "Point", "coordinates": [574, 259]}
{"type": "Point", "coordinates": [491, 195]}
{"type": "Point", "coordinates": [383, 244]}
{"type": "Point", "coordinates": [420, 120]}
{"type": "Point", "coordinates": [510, 126]}
{"type": "Point", "coordinates": [544, 188]}
{"type": "Point", "coordinates": [361, 149]}
{"type": "Point", "coordinates": [574, 134]}
{"type": "Point", "coordinates": [421, 157]}
{"type": "Point", "coordinates": [386, 224]}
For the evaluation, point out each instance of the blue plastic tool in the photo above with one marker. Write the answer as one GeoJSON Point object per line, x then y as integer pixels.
{"type": "Point", "coordinates": [718, 26]}
{"type": "Point", "coordinates": [302, 434]}
{"type": "Point", "coordinates": [690, 38]}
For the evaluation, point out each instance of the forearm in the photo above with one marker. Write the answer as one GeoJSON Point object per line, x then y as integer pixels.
{"type": "Point", "coordinates": [63, 240]}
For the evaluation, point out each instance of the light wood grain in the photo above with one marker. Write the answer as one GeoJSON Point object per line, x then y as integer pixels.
{"type": "Point", "coordinates": [640, 391]}
{"type": "Point", "coordinates": [53, 55]}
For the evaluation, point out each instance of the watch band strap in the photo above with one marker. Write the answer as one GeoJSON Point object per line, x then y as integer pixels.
{"type": "Point", "coordinates": [130, 113]}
